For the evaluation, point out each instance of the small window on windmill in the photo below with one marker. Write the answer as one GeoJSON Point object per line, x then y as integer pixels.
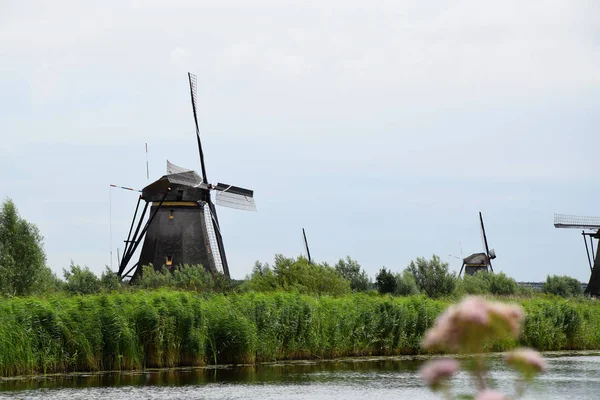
{"type": "Point", "coordinates": [169, 261]}
{"type": "Point", "coordinates": [179, 194]}
{"type": "Point", "coordinates": [171, 216]}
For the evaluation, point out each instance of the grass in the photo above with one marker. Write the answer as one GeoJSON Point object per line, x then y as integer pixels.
{"type": "Point", "coordinates": [166, 328]}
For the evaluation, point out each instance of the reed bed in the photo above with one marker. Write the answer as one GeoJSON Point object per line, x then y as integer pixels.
{"type": "Point", "coordinates": [167, 328]}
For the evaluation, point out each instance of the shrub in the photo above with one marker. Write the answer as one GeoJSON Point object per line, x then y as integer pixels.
{"type": "Point", "coordinates": [563, 286]}
{"type": "Point", "coordinates": [405, 284]}
{"type": "Point", "coordinates": [297, 274]}
{"type": "Point", "coordinates": [385, 281]}
{"type": "Point", "coordinates": [432, 277]}
{"type": "Point", "coordinates": [351, 271]}
{"type": "Point", "coordinates": [183, 277]}
{"type": "Point", "coordinates": [80, 280]}
{"type": "Point", "coordinates": [109, 280]}
{"type": "Point", "coordinates": [483, 282]}
{"type": "Point", "coordinates": [502, 285]}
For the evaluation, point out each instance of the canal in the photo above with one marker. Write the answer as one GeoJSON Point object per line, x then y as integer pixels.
{"type": "Point", "coordinates": [570, 375]}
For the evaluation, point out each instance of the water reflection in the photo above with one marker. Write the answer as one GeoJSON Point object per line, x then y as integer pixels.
{"type": "Point", "coordinates": [570, 375]}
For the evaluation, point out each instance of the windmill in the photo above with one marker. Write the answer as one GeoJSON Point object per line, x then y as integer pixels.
{"type": "Point", "coordinates": [479, 261]}
{"type": "Point", "coordinates": [182, 226]}
{"type": "Point", "coordinates": [592, 225]}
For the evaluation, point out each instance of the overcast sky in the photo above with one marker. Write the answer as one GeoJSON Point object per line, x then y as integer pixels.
{"type": "Point", "coordinates": [381, 127]}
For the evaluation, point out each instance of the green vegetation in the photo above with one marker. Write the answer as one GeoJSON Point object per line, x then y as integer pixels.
{"type": "Point", "coordinates": [485, 282]}
{"type": "Point", "coordinates": [293, 309]}
{"type": "Point", "coordinates": [564, 286]}
{"type": "Point", "coordinates": [432, 276]}
{"type": "Point", "coordinates": [297, 275]}
{"type": "Point", "coordinates": [163, 328]}
{"type": "Point", "coordinates": [22, 260]}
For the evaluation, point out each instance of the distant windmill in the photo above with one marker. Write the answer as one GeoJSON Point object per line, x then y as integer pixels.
{"type": "Point", "coordinates": [479, 261]}
{"type": "Point", "coordinates": [585, 224]}
{"type": "Point", "coordinates": [182, 226]}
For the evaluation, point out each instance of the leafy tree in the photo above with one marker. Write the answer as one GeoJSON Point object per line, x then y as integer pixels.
{"type": "Point", "coordinates": [432, 276]}
{"type": "Point", "coordinates": [564, 286]}
{"type": "Point", "coordinates": [405, 284]}
{"type": "Point", "coordinates": [483, 282]}
{"type": "Point", "coordinates": [47, 282]}
{"type": "Point", "coordinates": [80, 280]}
{"type": "Point", "coordinates": [109, 281]}
{"type": "Point", "coordinates": [22, 257]}
{"type": "Point", "coordinates": [385, 281]}
{"type": "Point", "coordinates": [501, 284]}
{"type": "Point", "coordinates": [297, 274]}
{"type": "Point", "coordinates": [351, 271]}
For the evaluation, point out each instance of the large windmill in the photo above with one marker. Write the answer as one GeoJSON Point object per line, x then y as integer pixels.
{"type": "Point", "coordinates": [182, 226]}
{"type": "Point", "coordinates": [479, 261]}
{"type": "Point", "coordinates": [592, 226]}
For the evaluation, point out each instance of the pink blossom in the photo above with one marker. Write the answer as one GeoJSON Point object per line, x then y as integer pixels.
{"type": "Point", "coordinates": [526, 360]}
{"type": "Point", "coordinates": [468, 324]}
{"type": "Point", "coordinates": [490, 395]}
{"type": "Point", "coordinates": [437, 370]}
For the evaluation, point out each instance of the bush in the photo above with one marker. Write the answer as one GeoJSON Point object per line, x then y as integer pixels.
{"type": "Point", "coordinates": [81, 280]}
{"type": "Point", "coordinates": [563, 286]}
{"type": "Point", "coordinates": [502, 285]}
{"type": "Point", "coordinates": [297, 274]}
{"type": "Point", "coordinates": [351, 271]}
{"type": "Point", "coordinates": [385, 281]}
{"type": "Point", "coordinates": [483, 282]}
{"type": "Point", "coordinates": [432, 277]}
{"type": "Point", "coordinates": [109, 281]}
{"type": "Point", "coordinates": [405, 284]}
{"type": "Point", "coordinates": [183, 277]}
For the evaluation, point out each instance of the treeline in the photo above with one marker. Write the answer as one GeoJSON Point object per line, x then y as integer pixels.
{"type": "Point", "coordinates": [166, 328]}
{"type": "Point", "coordinates": [23, 271]}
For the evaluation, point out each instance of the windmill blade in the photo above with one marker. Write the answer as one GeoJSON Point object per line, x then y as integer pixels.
{"type": "Point", "coordinates": [485, 242]}
{"type": "Point", "coordinates": [306, 246]}
{"type": "Point", "coordinates": [193, 84]}
{"type": "Point", "coordinates": [234, 197]}
{"type": "Point", "coordinates": [175, 169]}
{"type": "Point", "coordinates": [219, 239]}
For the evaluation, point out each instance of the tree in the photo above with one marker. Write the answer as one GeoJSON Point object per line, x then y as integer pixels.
{"type": "Point", "coordinates": [80, 280]}
{"type": "Point", "coordinates": [432, 277]}
{"type": "Point", "coordinates": [385, 281]}
{"type": "Point", "coordinates": [297, 274]}
{"type": "Point", "coordinates": [405, 284]}
{"type": "Point", "coordinates": [564, 286]}
{"type": "Point", "coordinates": [22, 257]}
{"type": "Point", "coordinates": [351, 271]}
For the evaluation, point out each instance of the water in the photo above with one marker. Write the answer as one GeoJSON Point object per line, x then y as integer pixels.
{"type": "Point", "coordinates": [570, 375]}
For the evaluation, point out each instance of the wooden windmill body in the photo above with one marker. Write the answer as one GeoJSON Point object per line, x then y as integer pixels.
{"type": "Point", "coordinates": [182, 225]}
{"type": "Point", "coordinates": [479, 261]}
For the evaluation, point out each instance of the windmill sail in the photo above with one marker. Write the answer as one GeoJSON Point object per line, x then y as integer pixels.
{"type": "Point", "coordinates": [234, 197]}
{"type": "Point", "coordinates": [174, 169]}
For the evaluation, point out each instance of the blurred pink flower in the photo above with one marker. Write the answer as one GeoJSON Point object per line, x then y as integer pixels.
{"type": "Point", "coordinates": [490, 395]}
{"type": "Point", "coordinates": [436, 370]}
{"type": "Point", "coordinates": [468, 324]}
{"type": "Point", "coordinates": [527, 361]}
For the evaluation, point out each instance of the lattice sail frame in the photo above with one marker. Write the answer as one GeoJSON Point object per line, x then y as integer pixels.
{"type": "Point", "coordinates": [576, 222]}
{"type": "Point", "coordinates": [212, 238]}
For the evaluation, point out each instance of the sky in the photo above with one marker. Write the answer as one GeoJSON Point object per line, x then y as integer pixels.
{"type": "Point", "coordinates": [380, 127]}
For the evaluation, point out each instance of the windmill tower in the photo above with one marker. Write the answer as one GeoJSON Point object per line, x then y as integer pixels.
{"type": "Point", "coordinates": [182, 225]}
{"type": "Point", "coordinates": [592, 225]}
{"type": "Point", "coordinates": [479, 261]}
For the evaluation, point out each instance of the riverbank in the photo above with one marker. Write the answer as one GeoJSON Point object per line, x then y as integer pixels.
{"type": "Point", "coordinates": [165, 328]}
